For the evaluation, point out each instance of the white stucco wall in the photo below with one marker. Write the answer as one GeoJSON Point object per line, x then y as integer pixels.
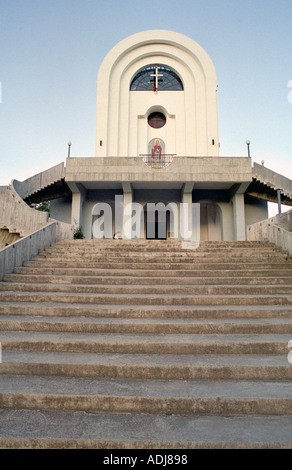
{"type": "Point", "coordinates": [192, 122]}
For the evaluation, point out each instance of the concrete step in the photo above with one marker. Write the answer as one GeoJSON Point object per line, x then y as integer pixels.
{"type": "Point", "coordinates": [140, 396]}
{"type": "Point", "coordinates": [266, 367]}
{"type": "Point", "coordinates": [145, 312]}
{"type": "Point", "coordinates": [145, 344]}
{"type": "Point", "coordinates": [159, 245]}
{"type": "Point", "coordinates": [39, 270]}
{"type": "Point", "coordinates": [84, 386]}
{"type": "Point", "coordinates": [147, 299]}
{"type": "Point", "coordinates": [162, 257]}
{"type": "Point", "coordinates": [134, 280]}
{"type": "Point", "coordinates": [155, 366]}
{"type": "Point", "coordinates": [150, 326]}
{"type": "Point", "coordinates": [198, 265]}
{"type": "Point", "coordinates": [147, 320]}
{"type": "Point", "coordinates": [158, 253]}
{"type": "Point", "coordinates": [276, 272]}
{"type": "Point", "coordinates": [153, 405]}
{"type": "Point", "coordinates": [135, 446]}
{"type": "Point", "coordinates": [167, 245]}
{"type": "Point", "coordinates": [47, 428]}
{"type": "Point", "coordinates": [185, 290]}
{"type": "Point", "coordinates": [107, 342]}
{"type": "Point", "coordinates": [144, 367]}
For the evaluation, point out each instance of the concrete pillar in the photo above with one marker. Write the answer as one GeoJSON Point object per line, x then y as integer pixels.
{"type": "Point", "coordinates": [127, 214]}
{"type": "Point", "coordinates": [239, 217]}
{"type": "Point", "coordinates": [76, 209]}
{"type": "Point", "coordinates": [186, 214]}
{"type": "Point", "coordinates": [78, 197]}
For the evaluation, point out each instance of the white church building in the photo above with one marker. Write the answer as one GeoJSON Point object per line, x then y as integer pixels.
{"type": "Point", "coordinates": [157, 146]}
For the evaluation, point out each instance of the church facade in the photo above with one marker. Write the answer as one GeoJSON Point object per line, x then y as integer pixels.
{"type": "Point", "coordinates": [157, 172]}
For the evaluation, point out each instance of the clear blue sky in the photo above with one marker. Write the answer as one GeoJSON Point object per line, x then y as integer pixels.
{"type": "Point", "coordinates": [51, 50]}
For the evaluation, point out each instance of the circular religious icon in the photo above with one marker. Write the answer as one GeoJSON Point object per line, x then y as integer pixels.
{"type": "Point", "coordinates": [156, 150]}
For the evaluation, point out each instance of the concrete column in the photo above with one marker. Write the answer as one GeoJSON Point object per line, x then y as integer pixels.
{"type": "Point", "coordinates": [186, 214]}
{"type": "Point", "coordinates": [239, 217]}
{"type": "Point", "coordinates": [78, 197]}
{"type": "Point", "coordinates": [76, 209]}
{"type": "Point", "coordinates": [127, 214]}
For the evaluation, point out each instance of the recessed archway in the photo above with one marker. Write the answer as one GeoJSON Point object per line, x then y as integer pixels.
{"type": "Point", "coordinates": [210, 221]}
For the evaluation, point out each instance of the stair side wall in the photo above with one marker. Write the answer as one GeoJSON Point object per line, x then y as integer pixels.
{"type": "Point", "coordinates": [276, 230]}
{"type": "Point", "coordinates": [17, 216]}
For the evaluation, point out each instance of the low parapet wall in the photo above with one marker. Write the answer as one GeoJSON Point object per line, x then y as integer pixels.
{"type": "Point", "coordinates": [283, 220]}
{"type": "Point", "coordinates": [17, 216]}
{"type": "Point", "coordinates": [17, 253]}
{"type": "Point", "coordinates": [35, 227]}
{"type": "Point", "coordinates": [277, 230]}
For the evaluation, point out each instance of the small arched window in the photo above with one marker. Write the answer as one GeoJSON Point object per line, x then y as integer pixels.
{"type": "Point", "coordinates": [156, 77]}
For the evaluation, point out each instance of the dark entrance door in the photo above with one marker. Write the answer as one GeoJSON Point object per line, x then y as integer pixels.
{"type": "Point", "coordinates": [156, 226]}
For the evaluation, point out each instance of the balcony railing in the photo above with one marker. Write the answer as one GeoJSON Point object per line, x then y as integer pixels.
{"type": "Point", "coordinates": [158, 162]}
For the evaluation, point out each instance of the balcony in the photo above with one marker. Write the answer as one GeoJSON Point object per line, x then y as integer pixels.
{"type": "Point", "coordinates": [158, 162]}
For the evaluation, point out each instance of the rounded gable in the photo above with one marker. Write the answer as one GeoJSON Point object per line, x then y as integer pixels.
{"type": "Point", "coordinates": [120, 114]}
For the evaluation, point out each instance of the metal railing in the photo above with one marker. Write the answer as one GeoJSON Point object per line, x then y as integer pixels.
{"type": "Point", "coordinates": [158, 162]}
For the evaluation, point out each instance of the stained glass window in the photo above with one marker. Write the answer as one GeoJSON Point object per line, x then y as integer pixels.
{"type": "Point", "coordinates": [156, 77]}
{"type": "Point", "coordinates": [156, 120]}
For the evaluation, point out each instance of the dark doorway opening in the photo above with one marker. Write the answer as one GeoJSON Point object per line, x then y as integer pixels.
{"type": "Point", "coordinates": [156, 225]}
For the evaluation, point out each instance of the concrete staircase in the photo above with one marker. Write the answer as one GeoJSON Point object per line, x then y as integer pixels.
{"type": "Point", "coordinates": [16, 216]}
{"type": "Point", "coordinates": [7, 237]}
{"type": "Point", "coordinates": [147, 344]}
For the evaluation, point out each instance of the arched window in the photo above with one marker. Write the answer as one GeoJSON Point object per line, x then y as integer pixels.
{"type": "Point", "coordinates": [156, 77]}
